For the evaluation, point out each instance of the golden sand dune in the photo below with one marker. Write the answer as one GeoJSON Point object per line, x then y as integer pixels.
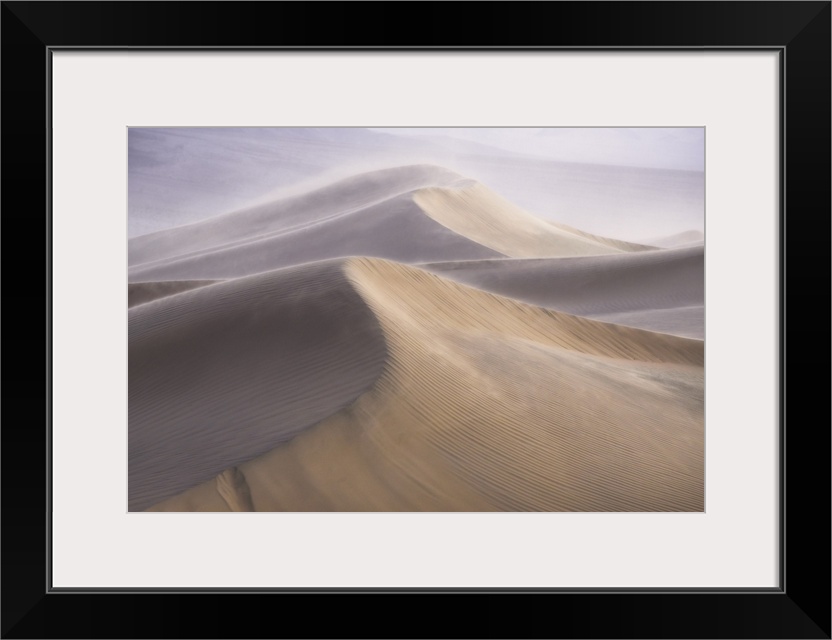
{"type": "Point", "coordinates": [222, 373]}
{"type": "Point", "coordinates": [476, 212]}
{"type": "Point", "coordinates": [482, 403]}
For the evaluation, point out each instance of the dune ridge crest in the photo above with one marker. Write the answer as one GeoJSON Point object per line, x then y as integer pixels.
{"type": "Point", "coordinates": [660, 290]}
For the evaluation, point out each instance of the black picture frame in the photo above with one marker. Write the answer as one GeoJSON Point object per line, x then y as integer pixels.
{"type": "Point", "coordinates": [798, 608]}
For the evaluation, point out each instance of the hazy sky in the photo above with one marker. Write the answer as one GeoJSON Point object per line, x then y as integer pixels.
{"type": "Point", "coordinates": [661, 148]}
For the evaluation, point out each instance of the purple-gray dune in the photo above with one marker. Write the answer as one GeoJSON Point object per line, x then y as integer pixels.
{"type": "Point", "coordinates": [220, 374]}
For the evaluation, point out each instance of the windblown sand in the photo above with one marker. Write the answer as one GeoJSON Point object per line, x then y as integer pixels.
{"type": "Point", "coordinates": [474, 358]}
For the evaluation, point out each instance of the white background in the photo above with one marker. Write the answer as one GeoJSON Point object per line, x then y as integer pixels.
{"type": "Point", "coordinates": [97, 95]}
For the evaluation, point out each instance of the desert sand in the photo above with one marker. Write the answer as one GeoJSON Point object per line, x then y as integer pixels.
{"type": "Point", "coordinates": [409, 340]}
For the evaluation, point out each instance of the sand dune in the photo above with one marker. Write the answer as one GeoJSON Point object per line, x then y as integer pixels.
{"type": "Point", "coordinates": [478, 213]}
{"type": "Point", "coordinates": [409, 214]}
{"type": "Point", "coordinates": [679, 321]}
{"type": "Point", "coordinates": [394, 229]}
{"type": "Point", "coordinates": [656, 290]}
{"type": "Point", "coordinates": [372, 214]}
{"type": "Point", "coordinates": [407, 339]}
{"type": "Point", "coordinates": [688, 238]}
{"type": "Point", "coordinates": [482, 403]}
{"type": "Point", "coordinates": [220, 374]}
{"type": "Point", "coordinates": [183, 175]}
{"type": "Point", "coordinates": [620, 202]}
{"type": "Point", "coordinates": [351, 194]}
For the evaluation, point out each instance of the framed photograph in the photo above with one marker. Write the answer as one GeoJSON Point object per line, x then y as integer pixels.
{"type": "Point", "coordinates": [493, 306]}
{"type": "Point", "coordinates": [373, 309]}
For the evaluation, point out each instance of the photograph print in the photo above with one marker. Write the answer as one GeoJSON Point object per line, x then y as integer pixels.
{"type": "Point", "coordinates": [416, 319]}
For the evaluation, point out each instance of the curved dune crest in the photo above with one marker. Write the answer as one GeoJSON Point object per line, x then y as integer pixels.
{"type": "Point", "coordinates": [476, 212]}
{"type": "Point", "coordinates": [488, 404]}
{"type": "Point", "coordinates": [143, 292]}
{"type": "Point", "coordinates": [220, 374]}
{"type": "Point", "coordinates": [689, 238]}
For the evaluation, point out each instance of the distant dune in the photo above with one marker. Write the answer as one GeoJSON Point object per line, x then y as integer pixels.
{"type": "Point", "coordinates": [222, 373]}
{"type": "Point", "coordinates": [409, 340]}
{"type": "Point", "coordinates": [487, 404]}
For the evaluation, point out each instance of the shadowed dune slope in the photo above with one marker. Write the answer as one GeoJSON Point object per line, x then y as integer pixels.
{"type": "Point", "coordinates": [142, 292]}
{"type": "Point", "coordinates": [476, 212]}
{"type": "Point", "coordinates": [220, 374]}
{"type": "Point", "coordinates": [640, 288]}
{"type": "Point", "coordinates": [490, 404]}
